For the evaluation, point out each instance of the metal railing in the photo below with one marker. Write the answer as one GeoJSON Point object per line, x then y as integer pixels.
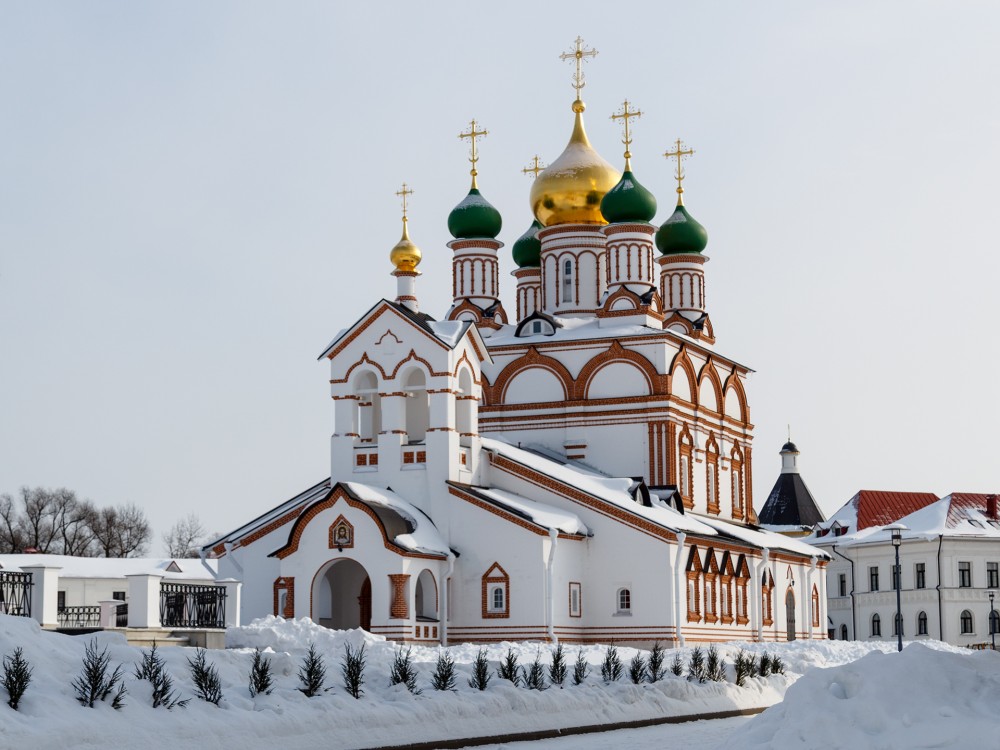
{"type": "Point", "coordinates": [15, 593]}
{"type": "Point", "coordinates": [185, 605]}
{"type": "Point", "coordinates": [79, 617]}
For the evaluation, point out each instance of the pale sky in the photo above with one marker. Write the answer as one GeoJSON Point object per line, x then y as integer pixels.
{"type": "Point", "coordinates": [195, 197]}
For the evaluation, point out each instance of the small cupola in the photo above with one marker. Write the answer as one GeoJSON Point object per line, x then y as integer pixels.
{"type": "Point", "coordinates": [527, 249]}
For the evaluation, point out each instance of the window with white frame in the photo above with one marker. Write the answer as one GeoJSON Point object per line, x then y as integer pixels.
{"type": "Point", "coordinates": [842, 582]}
{"type": "Point", "coordinates": [496, 597]}
{"type": "Point", "coordinates": [567, 281]}
{"type": "Point", "coordinates": [873, 578]}
{"type": "Point", "coordinates": [920, 576]}
{"type": "Point", "coordinates": [992, 575]}
{"type": "Point", "coordinates": [965, 622]}
{"type": "Point", "coordinates": [876, 626]}
{"type": "Point", "coordinates": [624, 601]}
{"type": "Point", "coordinates": [922, 623]}
{"type": "Point", "coordinates": [965, 575]}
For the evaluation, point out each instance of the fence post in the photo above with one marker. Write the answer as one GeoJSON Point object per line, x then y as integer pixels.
{"type": "Point", "coordinates": [144, 600]}
{"type": "Point", "coordinates": [233, 590]}
{"type": "Point", "coordinates": [109, 612]}
{"type": "Point", "coordinates": [44, 593]}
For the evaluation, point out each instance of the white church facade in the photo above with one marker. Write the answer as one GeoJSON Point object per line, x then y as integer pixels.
{"type": "Point", "coordinates": [580, 471]}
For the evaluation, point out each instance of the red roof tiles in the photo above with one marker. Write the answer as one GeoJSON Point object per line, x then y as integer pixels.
{"type": "Point", "coordinates": [877, 508]}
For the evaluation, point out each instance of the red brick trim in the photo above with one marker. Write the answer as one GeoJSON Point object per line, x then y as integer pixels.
{"type": "Point", "coordinates": [399, 609]}
{"type": "Point", "coordinates": [286, 584]}
{"type": "Point", "coordinates": [341, 534]}
{"type": "Point", "coordinates": [494, 576]}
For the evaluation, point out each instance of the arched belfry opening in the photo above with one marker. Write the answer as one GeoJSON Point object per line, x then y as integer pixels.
{"type": "Point", "coordinates": [417, 406]}
{"type": "Point", "coordinates": [369, 416]}
{"type": "Point", "coordinates": [466, 406]}
{"type": "Point", "coordinates": [342, 596]}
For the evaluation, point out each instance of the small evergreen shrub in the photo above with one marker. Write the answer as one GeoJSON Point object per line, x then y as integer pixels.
{"type": "Point", "coordinates": [715, 666]}
{"type": "Point", "coordinates": [637, 670]}
{"type": "Point", "coordinates": [353, 670]}
{"type": "Point", "coordinates": [741, 665]}
{"type": "Point", "coordinates": [765, 664]}
{"type": "Point", "coordinates": [481, 676]}
{"type": "Point", "coordinates": [611, 668]}
{"type": "Point", "coordinates": [696, 665]}
{"type": "Point", "coordinates": [261, 682]}
{"type": "Point", "coordinates": [402, 671]}
{"type": "Point", "coordinates": [580, 668]}
{"type": "Point", "coordinates": [207, 685]}
{"type": "Point", "coordinates": [753, 666]}
{"type": "Point", "coordinates": [557, 669]}
{"type": "Point", "coordinates": [534, 675]}
{"type": "Point", "coordinates": [95, 682]}
{"type": "Point", "coordinates": [508, 669]}
{"type": "Point", "coordinates": [16, 677]}
{"type": "Point", "coordinates": [677, 665]}
{"type": "Point", "coordinates": [777, 665]}
{"type": "Point", "coordinates": [444, 677]}
{"type": "Point", "coordinates": [655, 666]}
{"type": "Point", "coordinates": [153, 669]}
{"type": "Point", "coordinates": [312, 673]}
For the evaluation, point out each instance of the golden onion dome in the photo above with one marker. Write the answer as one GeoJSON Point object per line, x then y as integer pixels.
{"type": "Point", "coordinates": [570, 189]}
{"type": "Point", "coordinates": [405, 255]}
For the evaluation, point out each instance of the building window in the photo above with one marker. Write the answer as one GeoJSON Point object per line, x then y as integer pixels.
{"type": "Point", "coordinates": [496, 598]}
{"type": "Point", "coordinates": [575, 600]}
{"type": "Point", "coordinates": [992, 576]}
{"type": "Point", "coordinates": [994, 622]}
{"type": "Point", "coordinates": [567, 281]}
{"type": "Point", "coordinates": [712, 474]}
{"type": "Point", "coordinates": [876, 626]}
{"type": "Point", "coordinates": [842, 580]}
{"type": "Point", "coordinates": [624, 601]}
{"type": "Point", "coordinates": [965, 575]}
{"type": "Point", "coordinates": [897, 625]}
{"type": "Point", "coordinates": [966, 622]}
{"type": "Point", "coordinates": [815, 607]}
{"type": "Point", "coordinates": [61, 601]}
{"type": "Point", "coordinates": [895, 578]}
{"type": "Point", "coordinates": [873, 579]}
{"type": "Point", "coordinates": [922, 623]}
{"type": "Point", "coordinates": [843, 632]}
{"type": "Point", "coordinates": [921, 576]}
{"type": "Point", "coordinates": [496, 593]}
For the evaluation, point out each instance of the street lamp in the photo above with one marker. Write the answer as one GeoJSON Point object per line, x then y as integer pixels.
{"type": "Point", "coordinates": [993, 630]}
{"type": "Point", "coordinates": [897, 530]}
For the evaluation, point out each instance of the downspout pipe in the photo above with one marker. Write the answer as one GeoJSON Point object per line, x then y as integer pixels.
{"type": "Point", "coordinates": [550, 604]}
{"type": "Point", "coordinates": [854, 613]}
{"type": "Point", "coordinates": [808, 596]}
{"type": "Point", "coordinates": [678, 568]}
{"type": "Point", "coordinates": [443, 616]}
{"type": "Point", "coordinates": [230, 550]}
{"type": "Point", "coordinates": [940, 605]}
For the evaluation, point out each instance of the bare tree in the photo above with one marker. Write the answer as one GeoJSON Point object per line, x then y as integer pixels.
{"type": "Point", "coordinates": [10, 529]}
{"type": "Point", "coordinates": [122, 531]}
{"type": "Point", "coordinates": [73, 520]}
{"type": "Point", "coordinates": [183, 537]}
{"type": "Point", "coordinates": [38, 520]}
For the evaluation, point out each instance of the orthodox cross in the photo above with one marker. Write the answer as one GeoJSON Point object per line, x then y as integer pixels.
{"type": "Point", "coordinates": [578, 55]}
{"type": "Point", "coordinates": [535, 168]}
{"type": "Point", "coordinates": [625, 115]}
{"type": "Point", "coordinates": [679, 153]}
{"type": "Point", "coordinates": [404, 193]}
{"type": "Point", "coordinates": [472, 134]}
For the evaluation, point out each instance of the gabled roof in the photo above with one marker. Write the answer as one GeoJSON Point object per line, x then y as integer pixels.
{"type": "Point", "coordinates": [877, 508]}
{"type": "Point", "coordinates": [790, 504]}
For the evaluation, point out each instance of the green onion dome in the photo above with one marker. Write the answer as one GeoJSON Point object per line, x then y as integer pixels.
{"type": "Point", "coordinates": [681, 234]}
{"type": "Point", "coordinates": [527, 250]}
{"type": "Point", "coordinates": [474, 217]}
{"type": "Point", "coordinates": [628, 201]}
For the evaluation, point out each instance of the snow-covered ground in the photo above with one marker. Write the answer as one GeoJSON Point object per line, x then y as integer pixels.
{"type": "Point", "coordinates": [943, 678]}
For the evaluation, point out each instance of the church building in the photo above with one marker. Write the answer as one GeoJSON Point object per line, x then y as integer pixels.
{"type": "Point", "coordinates": [575, 468]}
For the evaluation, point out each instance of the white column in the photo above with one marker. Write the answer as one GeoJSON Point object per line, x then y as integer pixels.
{"type": "Point", "coordinates": [44, 593]}
{"type": "Point", "coordinates": [233, 591]}
{"type": "Point", "coordinates": [144, 600]}
{"type": "Point", "coordinates": [109, 612]}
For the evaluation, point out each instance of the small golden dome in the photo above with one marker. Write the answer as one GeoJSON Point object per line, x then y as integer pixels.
{"type": "Point", "coordinates": [405, 256]}
{"type": "Point", "coordinates": [570, 189]}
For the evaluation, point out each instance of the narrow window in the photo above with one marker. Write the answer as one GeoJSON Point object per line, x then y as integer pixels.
{"type": "Point", "coordinates": [843, 632]}
{"type": "Point", "coordinates": [876, 626]}
{"type": "Point", "coordinates": [567, 281]}
{"type": "Point", "coordinates": [992, 576]}
{"type": "Point", "coordinates": [922, 623]}
{"type": "Point", "coordinates": [966, 622]}
{"type": "Point", "coordinates": [873, 579]}
{"type": "Point", "coordinates": [895, 578]}
{"type": "Point", "coordinates": [61, 601]}
{"type": "Point", "coordinates": [843, 584]}
{"type": "Point", "coordinates": [496, 599]}
{"type": "Point", "coordinates": [575, 608]}
{"type": "Point", "coordinates": [965, 575]}
{"type": "Point", "coordinates": [897, 625]}
{"type": "Point", "coordinates": [624, 600]}
{"type": "Point", "coordinates": [921, 576]}
{"type": "Point", "coordinates": [994, 622]}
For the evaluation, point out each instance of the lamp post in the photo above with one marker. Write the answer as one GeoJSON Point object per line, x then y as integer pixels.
{"type": "Point", "coordinates": [993, 630]}
{"type": "Point", "coordinates": [897, 530]}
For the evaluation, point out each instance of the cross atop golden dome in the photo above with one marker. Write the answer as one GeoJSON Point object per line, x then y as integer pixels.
{"type": "Point", "coordinates": [405, 255]}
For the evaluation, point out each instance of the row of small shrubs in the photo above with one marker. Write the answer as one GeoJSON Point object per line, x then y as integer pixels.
{"type": "Point", "coordinates": [97, 681]}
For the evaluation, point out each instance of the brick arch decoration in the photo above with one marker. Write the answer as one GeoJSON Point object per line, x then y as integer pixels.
{"type": "Point", "coordinates": [495, 575]}
{"type": "Point", "coordinates": [286, 584]}
{"type": "Point", "coordinates": [338, 493]}
{"type": "Point", "coordinates": [693, 571]}
{"type": "Point", "coordinates": [736, 384]}
{"type": "Point", "coordinates": [413, 357]}
{"type": "Point", "coordinates": [712, 473]}
{"type": "Point", "coordinates": [682, 360]}
{"type": "Point", "coordinates": [530, 359]}
{"type": "Point", "coordinates": [708, 371]}
{"type": "Point", "coordinates": [815, 606]}
{"type": "Point", "coordinates": [685, 449]}
{"type": "Point", "coordinates": [365, 361]}
{"type": "Point", "coordinates": [617, 353]}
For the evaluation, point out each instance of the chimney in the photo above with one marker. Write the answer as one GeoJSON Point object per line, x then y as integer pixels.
{"type": "Point", "coordinates": [991, 506]}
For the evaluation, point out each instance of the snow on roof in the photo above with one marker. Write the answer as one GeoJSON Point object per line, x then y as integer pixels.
{"type": "Point", "coordinates": [424, 538]}
{"type": "Point", "coordinates": [877, 508]}
{"type": "Point", "coordinates": [449, 332]}
{"type": "Point", "coordinates": [544, 515]}
{"type": "Point", "coordinates": [115, 567]}
{"type": "Point", "coordinates": [614, 490]}
{"type": "Point", "coordinates": [764, 539]}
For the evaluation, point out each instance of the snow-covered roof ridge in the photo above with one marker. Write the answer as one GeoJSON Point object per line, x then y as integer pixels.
{"type": "Point", "coordinates": [541, 514]}
{"type": "Point", "coordinates": [764, 539]}
{"type": "Point", "coordinates": [424, 537]}
{"type": "Point", "coordinates": [115, 567]}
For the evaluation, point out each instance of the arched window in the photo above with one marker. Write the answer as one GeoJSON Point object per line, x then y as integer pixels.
{"type": "Point", "coordinates": [736, 481]}
{"type": "Point", "coordinates": [496, 603]}
{"type": "Point", "coordinates": [712, 474]}
{"type": "Point", "coordinates": [767, 589]}
{"type": "Point", "coordinates": [567, 281]}
{"type": "Point", "coordinates": [496, 592]}
{"type": "Point", "coordinates": [966, 622]}
{"type": "Point", "coordinates": [876, 626]}
{"type": "Point", "coordinates": [897, 624]}
{"type": "Point", "coordinates": [994, 622]}
{"type": "Point", "coordinates": [624, 600]}
{"type": "Point", "coordinates": [685, 447]}
{"type": "Point", "coordinates": [417, 406]}
{"type": "Point", "coordinates": [922, 623]}
{"type": "Point", "coordinates": [694, 585]}
{"type": "Point", "coordinates": [843, 632]}
{"type": "Point", "coordinates": [815, 606]}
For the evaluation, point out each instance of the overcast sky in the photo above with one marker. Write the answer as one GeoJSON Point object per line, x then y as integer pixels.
{"type": "Point", "coordinates": [195, 197]}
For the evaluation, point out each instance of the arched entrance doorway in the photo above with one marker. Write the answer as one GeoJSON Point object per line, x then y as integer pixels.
{"type": "Point", "coordinates": [790, 615]}
{"type": "Point", "coordinates": [342, 596]}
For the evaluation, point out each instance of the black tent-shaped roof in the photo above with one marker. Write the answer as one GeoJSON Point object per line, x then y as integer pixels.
{"type": "Point", "coordinates": [790, 504]}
